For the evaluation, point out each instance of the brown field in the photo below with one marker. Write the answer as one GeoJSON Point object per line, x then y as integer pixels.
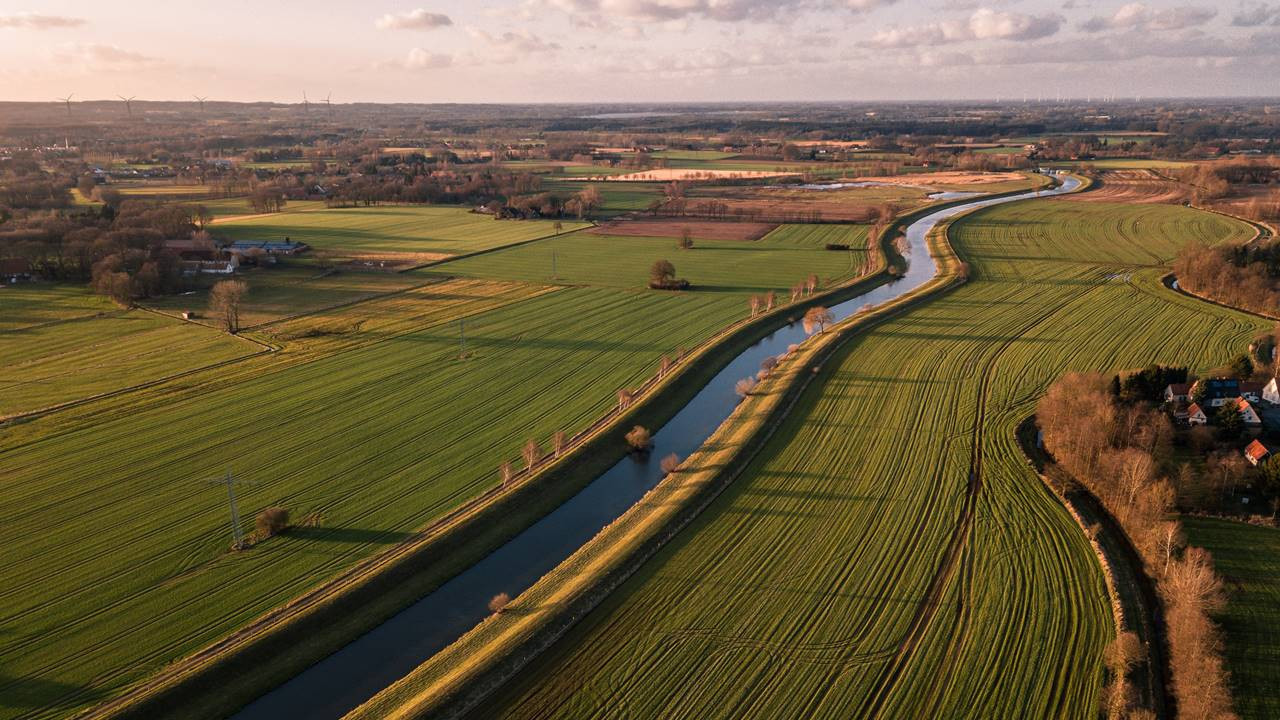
{"type": "Point", "coordinates": [949, 177]}
{"type": "Point", "coordinates": [669, 174]}
{"type": "Point", "coordinates": [792, 205]}
{"type": "Point", "coordinates": [701, 229]}
{"type": "Point", "coordinates": [1134, 186]}
{"type": "Point", "coordinates": [830, 143]}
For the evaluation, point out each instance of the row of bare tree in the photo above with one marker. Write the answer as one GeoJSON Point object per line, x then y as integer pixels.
{"type": "Point", "coordinates": [1116, 452]}
{"type": "Point", "coordinates": [1223, 273]}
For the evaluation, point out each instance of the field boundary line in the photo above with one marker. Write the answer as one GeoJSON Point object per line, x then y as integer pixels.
{"type": "Point", "coordinates": [464, 256]}
{"type": "Point", "coordinates": [1168, 280]}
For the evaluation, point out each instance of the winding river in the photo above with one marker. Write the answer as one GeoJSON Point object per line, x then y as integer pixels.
{"type": "Point", "coordinates": [349, 677]}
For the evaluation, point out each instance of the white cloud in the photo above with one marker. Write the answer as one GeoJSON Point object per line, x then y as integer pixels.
{"type": "Point", "coordinates": [420, 59]}
{"type": "Point", "coordinates": [983, 24]}
{"type": "Point", "coordinates": [413, 20]}
{"type": "Point", "coordinates": [512, 46]}
{"type": "Point", "coordinates": [36, 21]}
{"type": "Point", "coordinates": [1137, 16]}
{"type": "Point", "coordinates": [97, 55]}
{"type": "Point", "coordinates": [606, 13]}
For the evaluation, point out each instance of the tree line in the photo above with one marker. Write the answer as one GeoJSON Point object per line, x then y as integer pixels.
{"type": "Point", "coordinates": [1122, 453]}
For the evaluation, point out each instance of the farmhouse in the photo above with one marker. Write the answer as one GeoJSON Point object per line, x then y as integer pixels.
{"type": "Point", "coordinates": [1177, 393]}
{"type": "Point", "coordinates": [1251, 391]}
{"type": "Point", "coordinates": [1256, 452]}
{"type": "Point", "coordinates": [1196, 416]}
{"type": "Point", "coordinates": [15, 270]}
{"type": "Point", "coordinates": [1216, 391]}
{"type": "Point", "coordinates": [287, 247]}
{"type": "Point", "coordinates": [210, 267]}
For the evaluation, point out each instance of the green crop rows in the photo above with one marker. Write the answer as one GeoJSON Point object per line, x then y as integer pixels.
{"type": "Point", "coordinates": [890, 553]}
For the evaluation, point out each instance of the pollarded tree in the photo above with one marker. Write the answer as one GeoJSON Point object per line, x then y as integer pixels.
{"type": "Point", "coordinates": [225, 300]}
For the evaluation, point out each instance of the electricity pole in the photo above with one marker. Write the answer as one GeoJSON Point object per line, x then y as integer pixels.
{"type": "Point", "coordinates": [236, 536]}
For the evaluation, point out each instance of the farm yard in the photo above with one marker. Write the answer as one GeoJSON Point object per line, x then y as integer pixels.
{"type": "Point", "coordinates": [889, 552]}
{"type": "Point", "coordinates": [380, 371]}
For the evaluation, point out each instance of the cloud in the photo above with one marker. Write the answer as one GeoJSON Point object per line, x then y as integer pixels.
{"type": "Point", "coordinates": [413, 20]}
{"type": "Point", "coordinates": [1255, 13]}
{"type": "Point", "coordinates": [606, 13]}
{"type": "Point", "coordinates": [36, 21]}
{"type": "Point", "coordinates": [420, 59]}
{"type": "Point", "coordinates": [984, 24]}
{"type": "Point", "coordinates": [1137, 16]}
{"type": "Point", "coordinates": [96, 55]}
{"type": "Point", "coordinates": [1137, 45]}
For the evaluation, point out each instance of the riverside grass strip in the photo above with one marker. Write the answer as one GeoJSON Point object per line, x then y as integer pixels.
{"type": "Point", "coordinates": [824, 572]}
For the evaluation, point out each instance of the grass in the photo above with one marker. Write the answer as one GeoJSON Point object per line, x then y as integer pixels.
{"type": "Point", "coordinates": [836, 569]}
{"type": "Point", "coordinates": [617, 198]}
{"type": "Point", "coordinates": [366, 425]}
{"type": "Point", "coordinates": [1121, 164]}
{"type": "Point", "coordinates": [391, 229]}
{"type": "Point", "coordinates": [276, 293]}
{"type": "Point", "coordinates": [1248, 558]}
{"type": "Point", "coordinates": [778, 261]}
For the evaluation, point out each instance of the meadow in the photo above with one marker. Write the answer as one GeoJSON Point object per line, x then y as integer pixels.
{"type": "Point", "coordinates": [890, 553]}
{"type": "Point", "coordinates": [367, 424]}
{"type": "Point", "coordinates": [1248, 559]}
{"type": "Point", "coordinates": [777, 261]}
{"type": "Point", "coordinates": [62, 343]}
{"type": "Point", "coordinates": [423, 230]}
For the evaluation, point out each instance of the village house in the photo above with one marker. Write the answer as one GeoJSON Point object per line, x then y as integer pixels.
{"type": "Point", "coordinates": [1247, 413]}
{"type": "Point", "coordinates": [1220, 391]}
{"type": "Point", "coordinates": [1256, 452]}
{"type": "Point", "coordinates": [1177, 393]}
{"type": "Point", "coordinates": [1251, 391]}
{"type": "Point", "coordinates": [1196, 416]}
{"type": "Point", "coordinates": [211, 267]}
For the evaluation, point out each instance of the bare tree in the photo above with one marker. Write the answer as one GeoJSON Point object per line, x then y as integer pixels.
{"type": "Point", "coordinates": [817, 317]}
{"type": "Point", "coordinates": [225, 300]}
{"type": "Point", "coordinates": [506, 472]}
{"type": "Point", "coordinates": [625, 398]}
{"type": "Point", "coordinates": [755, 305]}
{"type": "Point", "coordinates": [532, 453]}
{"type": "Point", "coordinates": [770, 298]}
{"type": "Point", "coordinates": [686, 238]}
{"type": "Point", "coordinates": [559, 441]}
{"type": "Point", "coordinates": [745, 386]}
{"type": "Point", "coordinates": [499, 602]}
{"type": "Point", "coordinates": [811, 283]}
{"type": "Point", "coordinates": [664, 365]}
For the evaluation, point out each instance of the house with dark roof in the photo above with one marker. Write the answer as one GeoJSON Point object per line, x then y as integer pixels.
{"type": "Point", "coordinates": [1216, 392]}
{"type": "Point", "coordinates": [287, 247]}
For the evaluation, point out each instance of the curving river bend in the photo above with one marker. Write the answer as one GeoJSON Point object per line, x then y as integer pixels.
{"type": "Point", "coordinates": [349, 677]}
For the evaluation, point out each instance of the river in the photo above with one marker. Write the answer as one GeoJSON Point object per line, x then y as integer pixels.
{"type": "Point", "coordinates": [344, 680]}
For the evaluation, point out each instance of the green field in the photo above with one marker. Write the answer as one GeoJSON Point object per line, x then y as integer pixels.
{"type": "Point", "coordinates": [778, 261]}
{"type": "Point", "coordinates": [423, 229]}
{"type": "Point", "coordinates": [1248, 559]}
{"type": "Point", "coordinates": [366, 425]}
{"type": "Point", "coordinates": [276, 293]}
{"type": "Point", "coordinates": [61, 343]}
{"type": "Point", "coordinates": [1121, 164]}
{"type": "Point", "coordinates": [889, 553]}
{"type": "Point", "coordinates": [617, 198]}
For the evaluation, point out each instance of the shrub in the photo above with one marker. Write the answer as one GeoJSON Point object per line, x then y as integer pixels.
{"type": "Point", "coordinates": [271, 521]}
{"type": "Point", "coordinates": [639, 439]}
{"type": "Point", "coordinates": [499, 602]}
{"type": "Point", "coordinates": [745, 386]}
{"type": "Point", "coordinates": [670, 463]}
{"type": "Point", "coordinates": [837, 246]}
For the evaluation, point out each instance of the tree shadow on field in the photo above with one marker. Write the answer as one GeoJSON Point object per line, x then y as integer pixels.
{"type": "Point", "coordinates": [354, 536]}
{"type": "Point", "coordinates": [508, 343]}
{"type": "Point", "coordinates": [21, 693]}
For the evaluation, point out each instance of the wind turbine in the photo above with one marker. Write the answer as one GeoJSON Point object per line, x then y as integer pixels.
{"type": "Point", "coordinates": [128, 104]}
{"type": "Point", "coordinates": [306, 106]}
{"type": "Point", "coordinates": [328, 106]}
{"type": "Point", "coordinates": [201, 101]}
{"type": "Point", "coordinates": [67, 100]}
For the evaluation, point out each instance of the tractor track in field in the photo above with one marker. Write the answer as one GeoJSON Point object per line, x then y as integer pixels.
{"type": "Point", "coordinates": [955, 556]}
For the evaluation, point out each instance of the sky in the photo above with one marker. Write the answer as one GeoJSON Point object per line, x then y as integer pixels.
{"type": "Point", "coordinates": [637, 50]}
